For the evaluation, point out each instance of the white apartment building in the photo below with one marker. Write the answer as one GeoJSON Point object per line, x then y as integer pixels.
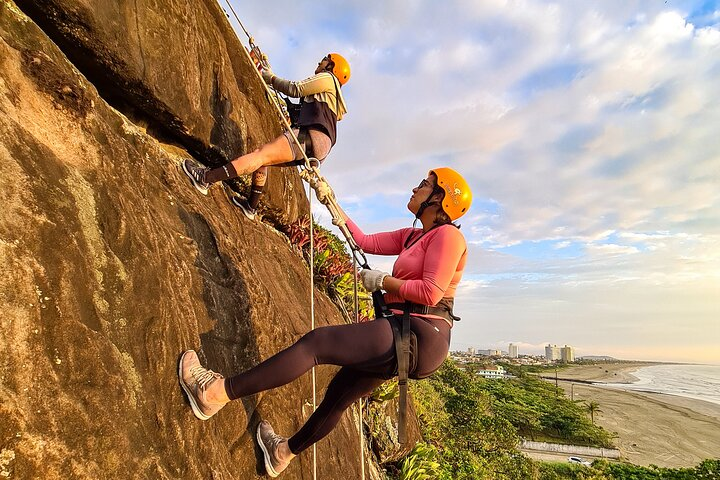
{"type": "Point", "coordinates": [513, 351]}
{"type": "Point", "coordinates": [567, 354]}
{"type": "Point", "coordinates": [493, 372]}
{"type": "Point", "coordinates": [552, 352]}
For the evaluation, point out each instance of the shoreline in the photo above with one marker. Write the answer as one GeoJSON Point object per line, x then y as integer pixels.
{"type": "Point", "coordinates": [651, 428]}
{"type": "Point", "coordinates": [604, 373]}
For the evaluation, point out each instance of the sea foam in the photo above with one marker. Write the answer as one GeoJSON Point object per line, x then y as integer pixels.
{"type": "Point", "coordinates": [701, 382]}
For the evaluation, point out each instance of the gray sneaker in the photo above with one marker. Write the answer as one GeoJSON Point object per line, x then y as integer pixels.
{"type": "Point", "coordinates": [196, 174]}
{"type": "Point", "coordinates": [195, 380]}
{"type": "Point", "coordinates": [269, 441]}
{"type": "Point", "coordinates": [243, 205]}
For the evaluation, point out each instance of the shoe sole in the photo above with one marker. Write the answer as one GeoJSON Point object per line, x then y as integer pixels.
{"type": "Point", "coordinates": [248, 215]}
{"type": "Point", "coordinates": [195, 407]}
{"type": "Point", "coordinates": [232, 197]}
{"type": "Point", "coordinates": [197, 186]}
{"type": "Point", "coordinates": [268, 464]}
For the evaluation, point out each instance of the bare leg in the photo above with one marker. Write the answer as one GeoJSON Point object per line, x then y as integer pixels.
{"type": "Point", "coordinates": [259, 177]}
{"type": "Point", "coordinates": [215, 393]}
{"type": "Point", "coordinates": [284, 454]}
{"type": "Point", "coordinates": [273, 153]}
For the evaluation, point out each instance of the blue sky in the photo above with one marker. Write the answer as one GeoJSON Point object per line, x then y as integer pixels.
{"type": "Point", "coordinates": [587, 130]}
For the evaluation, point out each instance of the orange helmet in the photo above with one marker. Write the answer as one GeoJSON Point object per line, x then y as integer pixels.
{"type": "Point", "coordinates": [458, 196]}
{"type": "Point", "coordinates": [341, 68]}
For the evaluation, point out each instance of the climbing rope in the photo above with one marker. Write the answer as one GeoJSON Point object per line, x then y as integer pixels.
{"type": "Point", "coordinates": [271, 93]}
{"type": "Point", "coordinates": [312, 321]}
{"type": "Point", "coordinates": [250, 38]}
{"type": "Point", "coordinates": [310, 172]}
{"type": "Point", "coordinates": [360, 406]}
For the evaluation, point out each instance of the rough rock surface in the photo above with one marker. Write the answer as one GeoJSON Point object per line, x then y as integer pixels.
{"type": "Point", "coordinates": [111, 264]}
{"type": "Point", "coordinates": [177, 68]}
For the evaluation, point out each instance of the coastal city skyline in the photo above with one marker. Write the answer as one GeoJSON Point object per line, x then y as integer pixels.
{"type": "Point", "coordinates": [587, 133]}
{"type": "Point", "coordinates": [552, 352]}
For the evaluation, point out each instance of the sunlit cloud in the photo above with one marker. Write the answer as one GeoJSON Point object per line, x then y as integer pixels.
{"type": "Point", "coordinates": [588, 131]}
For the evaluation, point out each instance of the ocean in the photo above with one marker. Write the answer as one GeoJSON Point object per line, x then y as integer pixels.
{"type": "Point", "coordinates": [701, 382]}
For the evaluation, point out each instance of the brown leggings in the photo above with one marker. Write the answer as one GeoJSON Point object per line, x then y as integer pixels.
{"type": "Point", "coordinates": [366, 352]}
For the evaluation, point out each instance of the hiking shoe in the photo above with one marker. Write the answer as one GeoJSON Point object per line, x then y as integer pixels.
{"type": "Point", "coordinates": [243, 205]}
{"type": "Point", "coordinates": [196, 173]}
{"type": "Point", "coordinates": [195, 380]}
{"type": "Point", "coordinates": [269, 441]}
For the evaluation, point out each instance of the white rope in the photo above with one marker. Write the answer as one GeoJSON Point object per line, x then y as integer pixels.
{"type": "Point", "coordinates": [307, 166]}
{"type": "Point", "coordinates": [312, 319]}
{"type": "Point", "coordinates": [308, 170]}
{"type": "Point", "coordinates": [250, 39]}
{"type": "Point", "coordinates": [271, 94]}
{"type": "Point", "coordinates": [360, 401]}
{"type": "Point", "coordinates": [311, 174]}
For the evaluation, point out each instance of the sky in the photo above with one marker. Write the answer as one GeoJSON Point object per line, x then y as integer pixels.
{"type": "Point", "coordinates": [588, 131]}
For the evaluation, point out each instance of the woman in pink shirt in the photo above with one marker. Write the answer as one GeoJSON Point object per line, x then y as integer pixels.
{"type": "Point", "coordinates": [425, 276]}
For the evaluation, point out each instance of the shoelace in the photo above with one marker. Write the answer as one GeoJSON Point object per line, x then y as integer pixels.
{"type": "Point", "coordinates": [196, 171]}
{"type": "Point", "coordinates": [199, 174]}
{"type": "Point", "coordinates": [203, 377]}
{"type": "Point", "coordinates": [275, 442]}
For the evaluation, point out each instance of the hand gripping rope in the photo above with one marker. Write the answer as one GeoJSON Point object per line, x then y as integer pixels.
{"type": "Point", "coordinates": [310, 172]}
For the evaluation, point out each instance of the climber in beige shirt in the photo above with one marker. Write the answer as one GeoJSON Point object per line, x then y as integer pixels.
{"type": "Point", "coordinates": [321, 107]}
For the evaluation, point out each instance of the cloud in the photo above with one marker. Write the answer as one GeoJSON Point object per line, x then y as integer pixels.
{"type": "Point", "coordinates": [611, 249]}
{"type": "Point", "coordinates": [582, 128]}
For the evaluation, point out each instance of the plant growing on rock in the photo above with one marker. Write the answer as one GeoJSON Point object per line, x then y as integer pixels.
{"type": "Point", "coordinates": [332, 265]}
{"type": "Point", "coordinates": [420, 464]}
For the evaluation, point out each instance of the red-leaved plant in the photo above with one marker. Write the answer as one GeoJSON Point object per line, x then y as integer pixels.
{"type": "Point", "coordinates": [332, 264]}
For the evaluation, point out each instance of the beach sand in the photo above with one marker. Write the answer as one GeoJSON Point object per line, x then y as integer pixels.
{"type": "Point", "coordinates": [651, 428]}
{"type": "Point", "coordinates": [608, 372]}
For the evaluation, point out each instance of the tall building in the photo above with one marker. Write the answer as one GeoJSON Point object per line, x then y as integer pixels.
{"type": "Point", "coordinates": [567, 354]}
{"type": "Point", "coordinates": [471, 350]}
{"type": "Point", "coordinates": [552, 352]}
{"type": "Point", "coordinates": [513, 351]}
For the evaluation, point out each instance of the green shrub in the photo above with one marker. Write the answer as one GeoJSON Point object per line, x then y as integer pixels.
{"type": "Point", "coordinates": [420, 464]}
{"type": "Point", "coordinates": [386, 391]}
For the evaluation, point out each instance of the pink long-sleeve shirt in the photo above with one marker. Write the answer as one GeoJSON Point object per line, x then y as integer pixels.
{"type": "Point", "coordinates": [431, 267]}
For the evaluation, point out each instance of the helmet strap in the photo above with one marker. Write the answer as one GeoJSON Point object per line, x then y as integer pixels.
{"type": "Point", "coordinates": [427, 203]}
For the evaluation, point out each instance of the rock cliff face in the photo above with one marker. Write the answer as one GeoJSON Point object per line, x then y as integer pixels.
{"type": "Point", "coordinates": [111, 264]}
{"type": "Point", "coordinates": [176, 68]}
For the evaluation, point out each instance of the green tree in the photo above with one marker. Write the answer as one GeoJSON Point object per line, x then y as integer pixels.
{"type": "Point", "coordinates": [471, 427]}
{"type": "Point", "coordinates": [592, 407]}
